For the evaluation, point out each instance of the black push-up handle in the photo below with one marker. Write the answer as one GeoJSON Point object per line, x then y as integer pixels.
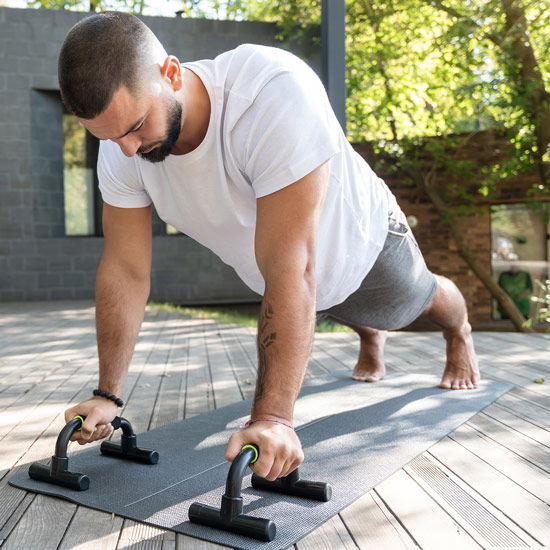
{"type": "Point", "coordinates": [58, 472]}
{"type": "Point", "coordinates": [230, 517]}
{"type": "Point", "coordinates": [293, 485]}
{"type": "Point", "coordinates": [127, 449]}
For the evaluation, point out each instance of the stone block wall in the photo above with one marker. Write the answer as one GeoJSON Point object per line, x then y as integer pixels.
{"type": "Point", "coordinates": [37, 260]}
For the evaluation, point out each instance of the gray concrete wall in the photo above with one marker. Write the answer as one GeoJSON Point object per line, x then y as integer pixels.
{"type": "Point", "coordinates": [37, 260]}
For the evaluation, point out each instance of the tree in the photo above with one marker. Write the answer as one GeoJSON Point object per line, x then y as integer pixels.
{"type": "Point", "coordinates": [420, 68]}
{"type": "Point", "coordinates": [132, 6]}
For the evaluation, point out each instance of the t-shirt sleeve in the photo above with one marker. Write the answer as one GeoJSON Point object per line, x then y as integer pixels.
{"type": "Point", "coordinates": [288, 131]}
{"type": "Point", "coordinates": [119, 180]}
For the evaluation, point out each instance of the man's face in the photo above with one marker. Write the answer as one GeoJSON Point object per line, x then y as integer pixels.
{"type": "Point", "coordinates": [148, 125]}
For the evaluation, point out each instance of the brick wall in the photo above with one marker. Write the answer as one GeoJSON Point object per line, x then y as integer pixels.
{"type": "Point", "coordinates": [434, 237]}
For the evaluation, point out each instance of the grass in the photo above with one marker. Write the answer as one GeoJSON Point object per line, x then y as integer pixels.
{"type": "Point", "coordinates": [244, 315]}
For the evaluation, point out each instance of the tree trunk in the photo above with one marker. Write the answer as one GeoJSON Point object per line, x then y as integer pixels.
{"type": "Point", "coordinates": [470, 258]}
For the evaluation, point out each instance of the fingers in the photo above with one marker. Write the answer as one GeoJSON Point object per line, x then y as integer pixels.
{"type": "Point", "coordinates": [100, 431]}
{"type": "Point", "coordinates": [234, 446]}
{"type": "Point", "coordinates": [280, 449]}
{"type": "Point", "coordinates": [98, 413]}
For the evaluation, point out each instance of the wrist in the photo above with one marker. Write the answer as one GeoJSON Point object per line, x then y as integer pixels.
{"type": "Point", "coordinates": [102, 394]}
{"type": "Point", "coordinates": [283, 419]}
{"type": "Point", "coordinates": [273, 420]}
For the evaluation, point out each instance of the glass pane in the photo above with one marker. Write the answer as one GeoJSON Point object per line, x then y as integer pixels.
{"type": "Point", "coordinates": [519, 253]}
{"type": "Point", "coordinates": [78, 180]}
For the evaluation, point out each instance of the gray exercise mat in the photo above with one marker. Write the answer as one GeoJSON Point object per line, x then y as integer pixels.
{"type": "Point", "coordinates": [354, 436]}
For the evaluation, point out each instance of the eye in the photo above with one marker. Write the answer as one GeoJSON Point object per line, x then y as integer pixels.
{"type": "Point", "coordinates": [138, 128]}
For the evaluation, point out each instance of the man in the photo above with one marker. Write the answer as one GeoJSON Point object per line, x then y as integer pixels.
{"type": "Point", "coordinates": [244, 154]}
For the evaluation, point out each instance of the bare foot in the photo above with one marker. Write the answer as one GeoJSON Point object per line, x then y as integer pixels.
{"type": "Point", "coordinates": [370, 366]}
{"type": "Point", "coordinates": [461, 371]}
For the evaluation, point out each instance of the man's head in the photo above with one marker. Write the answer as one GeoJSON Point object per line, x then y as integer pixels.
{"type": "Point", "coordinates": [116, 77]}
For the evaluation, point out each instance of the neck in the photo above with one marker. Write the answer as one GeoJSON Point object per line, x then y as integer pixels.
{"type": "Point", "coordinates": [196, 114]}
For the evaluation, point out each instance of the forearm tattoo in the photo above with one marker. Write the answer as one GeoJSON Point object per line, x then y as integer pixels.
{"type": "Point", "coordinates": [266, 338]}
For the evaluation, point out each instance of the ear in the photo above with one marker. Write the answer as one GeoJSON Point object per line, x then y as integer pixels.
{"type": "Point", "coordinates": [171, 70]}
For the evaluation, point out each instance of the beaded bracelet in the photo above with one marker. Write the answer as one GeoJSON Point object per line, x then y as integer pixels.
{"type": "Point", "coordinates": [251, 421]}
{"type": "Point", "coordinates": [117, 400]}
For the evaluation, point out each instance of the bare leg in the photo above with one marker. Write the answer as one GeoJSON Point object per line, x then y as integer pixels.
{"type": "Point", "coordinates": [448, 309]}
{"type": "Point", "coordinates": [370, 365]}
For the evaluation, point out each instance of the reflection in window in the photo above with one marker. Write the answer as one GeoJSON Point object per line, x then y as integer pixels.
{"type": "Point", "coordinates": [78, 180]}
{"type": "Point", "coordinates": [520, 252]}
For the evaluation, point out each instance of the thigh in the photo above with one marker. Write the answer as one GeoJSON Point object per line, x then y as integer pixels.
{"type": "Point", "coordinates": [396, 290]}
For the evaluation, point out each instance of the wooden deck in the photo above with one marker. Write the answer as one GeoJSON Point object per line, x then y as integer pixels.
{"type": "Point", "coordinates": [486, 485]}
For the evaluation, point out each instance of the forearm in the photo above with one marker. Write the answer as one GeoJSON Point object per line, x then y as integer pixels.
{"type": "Point", "coordinates": [285, 336]}
{"type": "Point", "coordinates": [120, 306]}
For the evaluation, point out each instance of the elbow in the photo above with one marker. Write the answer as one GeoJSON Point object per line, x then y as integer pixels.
{"type": "Point", "coordinates": [290, 275]}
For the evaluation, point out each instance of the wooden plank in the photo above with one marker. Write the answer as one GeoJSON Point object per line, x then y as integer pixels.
{"type": "Point", "coordinates": [532, 412]}
{"type": "Point", "coordinates": [518, 424]}
{"type": "Point", "coordinates": [427, 523]}
{"type": "Point", "coordinates": [523, 446]}
{"type": "Point", "coordinates": [140, 536]}
{"type": "Point", "coordinates": [185, 542]}
{"type": "Point", "coordinates": [92, 530]}
{"type": "Point", "coordinates": [331, 534]}
{"type": "Point", "coordinates": [528, 395]}
{"type": "Point", "coordinates": [224, 384]}
{"type": "Point", "coordinates": [198, 396]}
{"type": "Point", "coordinates": [526, 510]}
{"type": "Point", "coordinates": [242, 367]}
{"type": "Point", "coordinates": [34, 402]}
{"type": "Point", "coordinates": [42, 526]}
{"type": "Point", "coordinates": [525, 474]}
{"type": "Point", "coordinates": [11, 520]}
{"type": "Point", "coordinates": [483, 522]}
{"type": "Point", "coordinates": [170, 402]}
{"type": "Point", "coordinates": [372, 525]}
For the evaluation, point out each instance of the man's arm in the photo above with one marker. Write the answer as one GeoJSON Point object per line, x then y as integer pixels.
{"type": "Point", "coordinates": [286, 230]}
{"type": "Point", "coordinates": [122, 289]}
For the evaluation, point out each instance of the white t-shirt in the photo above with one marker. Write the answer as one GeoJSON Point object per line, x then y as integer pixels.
{"type": "Point", "coordinates": [271, 124]}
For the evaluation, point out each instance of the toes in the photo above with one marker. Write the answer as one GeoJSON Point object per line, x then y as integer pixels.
{"type": "Point", "coordinates": [455, 385]}
{"type": "Point", "coordinates": [445, 384]}
{"type": "Point", "coordinates": [365, 378]}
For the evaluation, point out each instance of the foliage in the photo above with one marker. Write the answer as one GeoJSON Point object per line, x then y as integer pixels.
{"type": "Point", "coordinates": [133, 6]}
{"type": "Point", "coordinates": [77, 180]}
{"type": "Point", "coordinates": [243, 315]}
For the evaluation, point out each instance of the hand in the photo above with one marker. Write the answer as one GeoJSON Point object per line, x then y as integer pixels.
{"type": "Point", "coordinates": [280, 448]}
{"type": "Point", "coordinates": [99, 412]}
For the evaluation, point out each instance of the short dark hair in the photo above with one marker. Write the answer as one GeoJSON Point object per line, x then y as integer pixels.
{"type": "Point", "coordinates": [100, 54]}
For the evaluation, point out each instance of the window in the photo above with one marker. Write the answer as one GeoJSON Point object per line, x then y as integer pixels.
{"type": "Point", "coordinates": [520, 252]}
{"type": "Point", "coordinates": [79, 179]}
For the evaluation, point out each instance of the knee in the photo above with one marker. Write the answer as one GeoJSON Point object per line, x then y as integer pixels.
{"type": "Point", "coordinates": [447, 304]}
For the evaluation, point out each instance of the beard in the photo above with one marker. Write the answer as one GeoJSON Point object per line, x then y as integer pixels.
{"type": "Point", "coordinates": [159, 153]}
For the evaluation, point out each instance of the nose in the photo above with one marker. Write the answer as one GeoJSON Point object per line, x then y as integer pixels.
{"type": "Point", "coordinates": [129, 144]}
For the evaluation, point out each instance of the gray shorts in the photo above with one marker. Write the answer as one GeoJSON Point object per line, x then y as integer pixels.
{"type": "Point", "coordinates": [398, 287]}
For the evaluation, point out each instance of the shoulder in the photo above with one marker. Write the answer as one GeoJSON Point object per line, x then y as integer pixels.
{"type": "Point", "coordinates": [251, 67]}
